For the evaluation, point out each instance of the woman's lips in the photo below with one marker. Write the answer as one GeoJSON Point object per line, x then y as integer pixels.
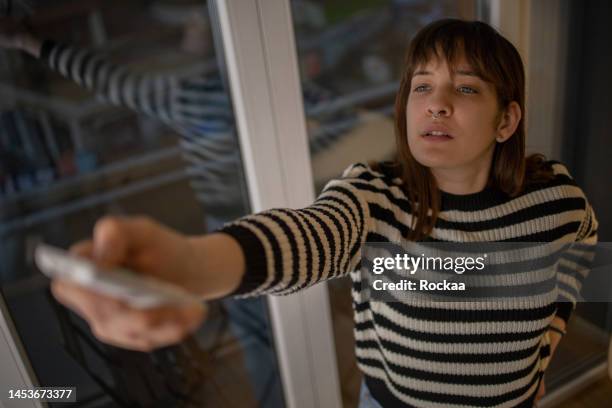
{"type": "Point", "coordinates": [436, 138]}
{"type": "Point", "coordinates": [437, 132]}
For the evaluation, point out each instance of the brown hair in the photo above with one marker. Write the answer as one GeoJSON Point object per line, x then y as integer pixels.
{"type": "Point", "coordinates": [495, 60]}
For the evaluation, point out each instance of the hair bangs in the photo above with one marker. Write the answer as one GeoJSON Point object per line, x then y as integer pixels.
{"type": "Point", "coordinates": [451, 42]}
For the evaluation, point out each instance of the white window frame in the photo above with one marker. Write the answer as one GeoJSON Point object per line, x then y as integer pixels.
{"type": "Point", "coordinates": [261, 62]}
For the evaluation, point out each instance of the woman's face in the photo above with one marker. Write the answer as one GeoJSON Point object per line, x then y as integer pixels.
{"type": "Point", "coordinates": [466, 108]}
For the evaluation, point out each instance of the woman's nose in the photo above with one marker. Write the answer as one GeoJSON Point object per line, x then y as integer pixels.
{"type": "Point", "coordinates": [436, 113]}
{"type": "Point", "coordinates": [439, 105]}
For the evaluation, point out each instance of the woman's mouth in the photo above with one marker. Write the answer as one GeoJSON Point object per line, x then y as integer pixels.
{"type": "Point", "coordinates": [436, 136]}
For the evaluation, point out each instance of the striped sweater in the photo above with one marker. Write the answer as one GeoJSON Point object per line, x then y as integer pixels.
{"type": "Point", "coordinates": [412, 354]}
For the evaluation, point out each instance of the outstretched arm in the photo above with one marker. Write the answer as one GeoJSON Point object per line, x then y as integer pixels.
{"type": "Point", "coordinates": [274, 252]}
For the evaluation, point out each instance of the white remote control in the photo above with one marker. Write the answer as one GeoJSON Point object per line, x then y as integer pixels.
{"type": "Point", "coordinates": [139, 291]}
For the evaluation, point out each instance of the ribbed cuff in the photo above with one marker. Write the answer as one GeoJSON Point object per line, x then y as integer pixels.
{"type": "Point", "coordinates": [564, 310]}
{"type": "Point", "coordinates": [45, 50]}
{"type": "Point", "coordinates": [256, 272]}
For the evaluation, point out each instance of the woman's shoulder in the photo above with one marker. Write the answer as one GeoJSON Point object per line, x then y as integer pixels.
{"type": "Point", "coordinates": [553, 178]}
{"type": "Point", "coordinates": [570, 189]}
{"type": "Point", "coordinates": [542, 173]}
{"type": "Point", "coordinates": [559, 169]}
{"type": "Point", "coordinates": [379, 173]}
{"type": "Point", "coordinates": [371, 179]}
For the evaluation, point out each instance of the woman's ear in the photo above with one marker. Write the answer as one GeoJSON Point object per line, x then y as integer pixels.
{"type": "Point", "coordinates": [509, 121]}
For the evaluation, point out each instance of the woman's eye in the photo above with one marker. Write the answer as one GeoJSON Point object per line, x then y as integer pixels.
{"type": "Point", "coordinates": [420, 88]}
{"type": "Point", "coordinates": [467, 89]}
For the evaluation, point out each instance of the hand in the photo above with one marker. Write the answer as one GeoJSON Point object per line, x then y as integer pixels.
{"type": "Point", "coordinates": [14, 35]}
{"type": "Point", "coordinates": [143, 246]}
{"type": "Point", "coordinates": [541, 391]}
{"type": "Point", "coordinates": [555, 338]}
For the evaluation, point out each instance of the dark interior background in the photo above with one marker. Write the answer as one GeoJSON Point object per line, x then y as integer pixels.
{"type": "Point", "coordinates": [587, 139]}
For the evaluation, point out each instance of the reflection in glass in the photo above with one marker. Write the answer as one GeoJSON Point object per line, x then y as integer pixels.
{"type": "Point", "coordinates": [125, 112]}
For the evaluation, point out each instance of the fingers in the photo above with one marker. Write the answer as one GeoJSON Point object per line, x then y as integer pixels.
{"type": "Point", "coordinates": [83, 249]}
{"type": "Point", "coordinates": [117, 241]}
{"type": "Point", "coordinates": [115, 323]}
{"type": "Point", "coordinates": [110, 246]}
{"type": "Point", "coordinates": [128, 341]}
{"type": "Point", "coordinates": [89, 305]}
{"type": "Point", "coordinates": [155, 328]}
{"type": "Point", "coordinates": [114, 237]}
{"type": "Point", "coordinates": [149, 329]}
{"type": "Point", "coordinates": [541, 390]}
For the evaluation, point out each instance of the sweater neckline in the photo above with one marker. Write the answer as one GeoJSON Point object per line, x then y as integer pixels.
{"type": "Point", "coordinates": [486, 197]}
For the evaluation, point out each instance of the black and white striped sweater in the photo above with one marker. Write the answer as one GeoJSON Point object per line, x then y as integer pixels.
{"type": "Point", "coordinates": [415, 354]}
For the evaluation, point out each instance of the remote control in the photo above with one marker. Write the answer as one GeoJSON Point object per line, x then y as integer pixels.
{"type": "Point", "coordinates": [139, 291]}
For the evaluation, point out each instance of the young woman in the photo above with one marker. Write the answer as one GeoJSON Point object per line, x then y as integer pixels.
{"type": "Point", "coordinates": [461, 175]}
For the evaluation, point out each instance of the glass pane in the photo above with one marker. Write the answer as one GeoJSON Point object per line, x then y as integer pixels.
{"type": "Point", "coordinates": [350, 60]}
{"type": "Point", "coordinates": [141, 123]}
{"type": "Point", "coordinates": [586, 345]}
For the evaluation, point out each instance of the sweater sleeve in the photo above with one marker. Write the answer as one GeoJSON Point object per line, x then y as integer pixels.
{"type": "Point", "coordinates": [574, 266]}
{"type": "Point", "coordinates": [288, 250]}
{"type": "Point", "coordinates": [197, 101]}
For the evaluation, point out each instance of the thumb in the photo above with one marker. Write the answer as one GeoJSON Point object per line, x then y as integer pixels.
{"type": "Point", "coordinates": [111, 240]}
{"type": "Point", "coordinates": [83, 249]}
